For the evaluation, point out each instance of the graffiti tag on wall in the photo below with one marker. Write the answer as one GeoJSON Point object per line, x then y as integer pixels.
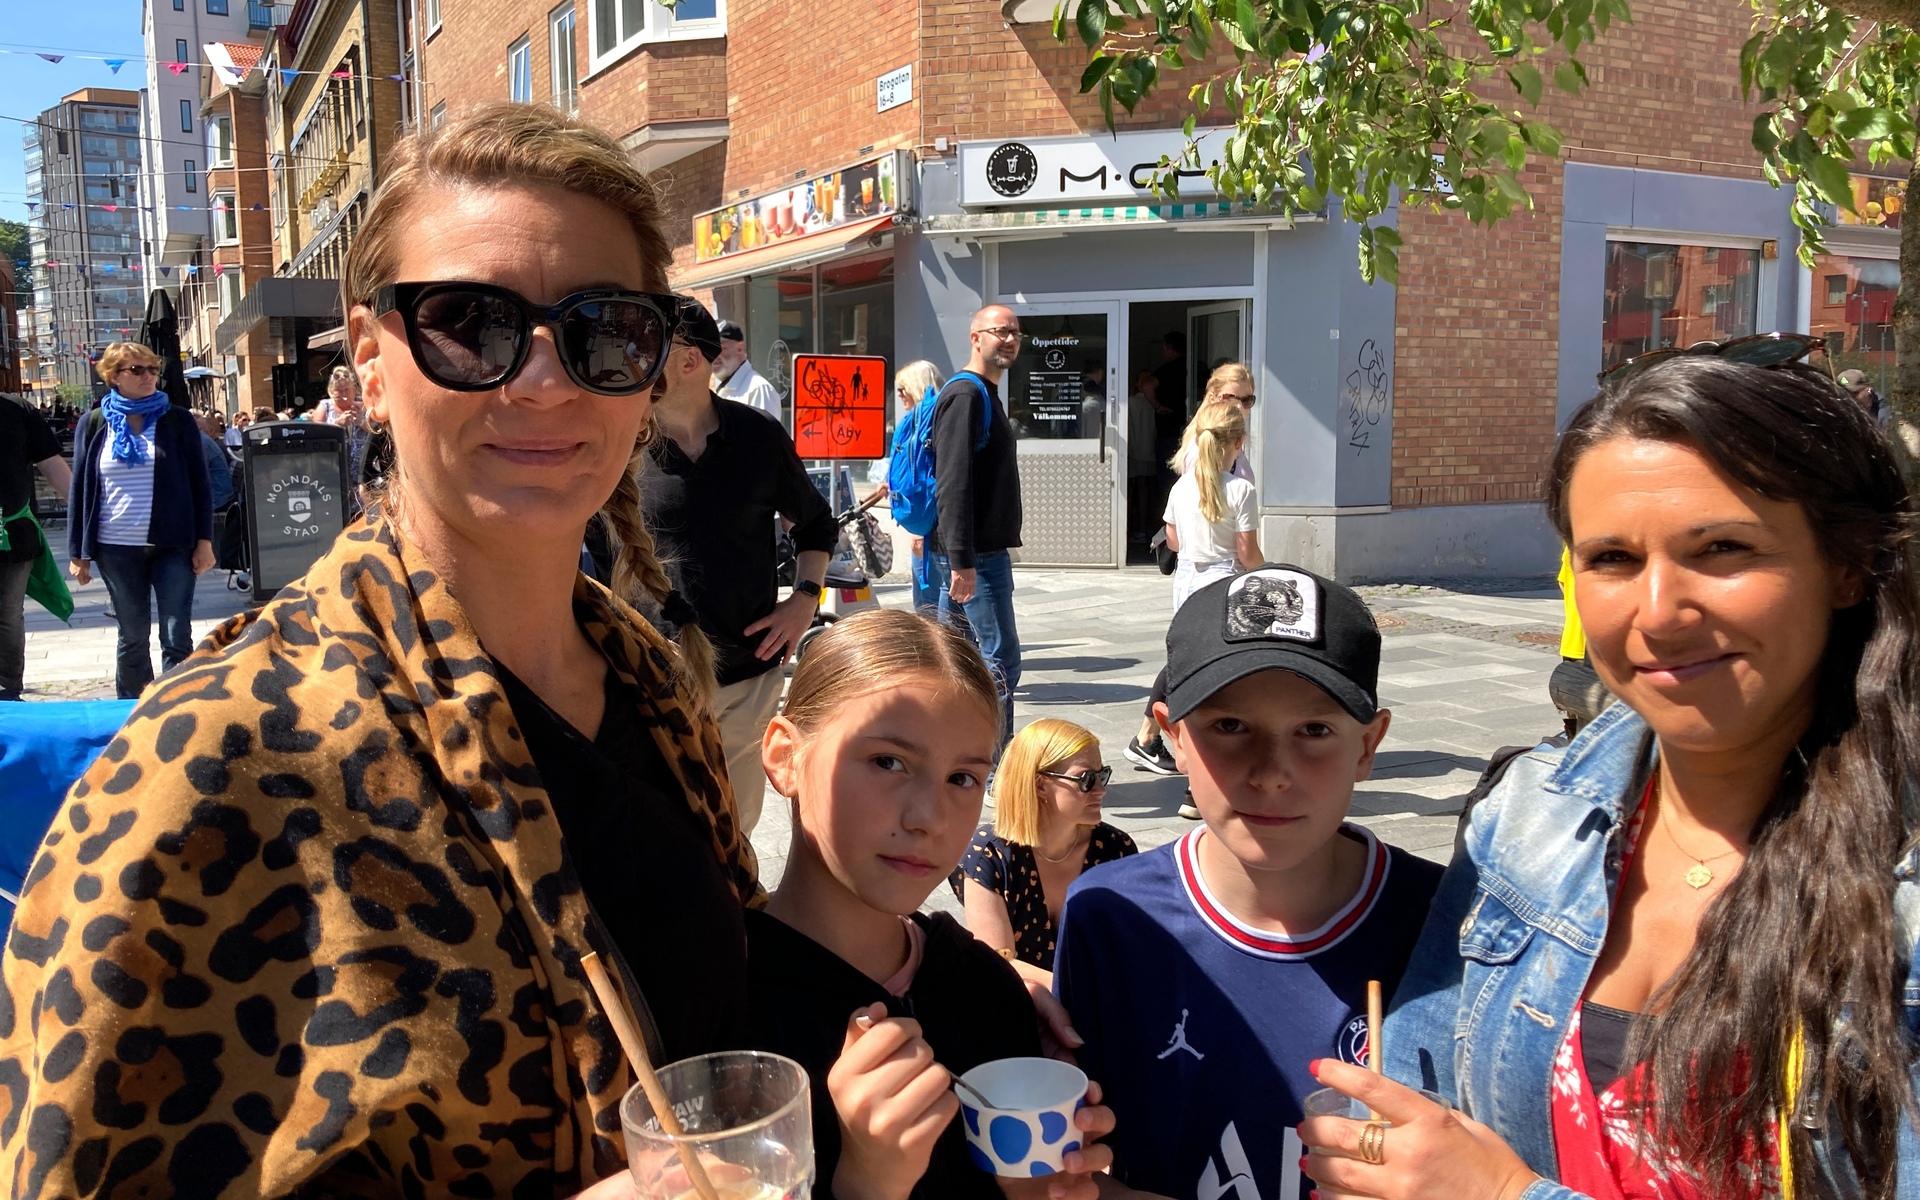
{"type": "Point", "coordinates": [1365, 397]}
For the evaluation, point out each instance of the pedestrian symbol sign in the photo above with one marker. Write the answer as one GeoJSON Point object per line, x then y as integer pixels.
{"type": "Point", "coordinates": [840, 406]}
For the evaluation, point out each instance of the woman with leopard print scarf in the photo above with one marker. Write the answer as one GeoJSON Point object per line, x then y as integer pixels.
{"type": "Point", "coordinates": [313, 922]}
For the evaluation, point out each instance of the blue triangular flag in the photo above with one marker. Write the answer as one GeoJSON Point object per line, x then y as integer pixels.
{"type": "Point", "coordinates": [287, 76]}
{"type": "Point", "coordinates": [114, 64]}
{"type": "Point", "coordinates": [166, 272]}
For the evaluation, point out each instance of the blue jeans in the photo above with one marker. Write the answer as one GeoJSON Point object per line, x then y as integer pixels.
{"type": "Point", "coordinates": [990, 616]}
{"type": "Point", "coordinates": [133, 575]}
{"type": "Point", "coordinates": [929, 586]}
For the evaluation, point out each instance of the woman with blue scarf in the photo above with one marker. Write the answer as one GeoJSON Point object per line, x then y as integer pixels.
{"type": "Point", "coordinates": [141, 510]}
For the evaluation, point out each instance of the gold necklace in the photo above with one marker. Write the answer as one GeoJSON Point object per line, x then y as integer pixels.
{"type": "Point", "coordinates": [1699, 874]}
{"type": "Point", "coordinates": [1078, 842]}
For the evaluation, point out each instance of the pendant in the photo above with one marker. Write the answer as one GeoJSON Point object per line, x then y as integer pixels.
{"type": "Point", "coordinates": [1698, 876]}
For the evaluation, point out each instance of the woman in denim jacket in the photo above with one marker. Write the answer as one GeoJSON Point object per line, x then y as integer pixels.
{"type": "Point", "coordinates": [1675, 958]}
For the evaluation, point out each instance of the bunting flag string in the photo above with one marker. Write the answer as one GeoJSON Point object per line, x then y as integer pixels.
{"type": "Point", "coordinates": [177, 67]}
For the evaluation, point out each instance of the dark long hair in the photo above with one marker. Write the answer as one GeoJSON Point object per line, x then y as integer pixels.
{"type": "Point", "coordinates": [1804, 937]}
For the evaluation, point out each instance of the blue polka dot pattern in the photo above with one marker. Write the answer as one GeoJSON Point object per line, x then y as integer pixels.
{"type": "Point", "coordinates": [1053, 1127]}
{"type": "Point", "coordinates": [1011, 1138]}
{"type": "Point", "coordinates": [1069, 1148]}
{"type": "Point", "coordinates": [1038, 1169]}
{"type": "Point", "coordinates": [981, 1160]}
{"type": "Point", "coordinates": [973, 1119]}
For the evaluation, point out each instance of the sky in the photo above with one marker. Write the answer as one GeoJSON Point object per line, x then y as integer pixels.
{"type": "Point", "coordinates": [30, 85]}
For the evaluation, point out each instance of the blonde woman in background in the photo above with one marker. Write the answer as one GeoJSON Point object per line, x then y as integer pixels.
{"type": "Point", "coordinates": [915, 384]}
{"type": "Point", "coordinates": [1212, 524]}
{"type": "Point", "coordinates": [1232, 382]}
{"type": "Point", "coordinates": [1046, 831]}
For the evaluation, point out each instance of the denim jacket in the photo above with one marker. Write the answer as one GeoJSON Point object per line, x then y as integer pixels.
{"type": "Point", "coordinates": [1511, 940]}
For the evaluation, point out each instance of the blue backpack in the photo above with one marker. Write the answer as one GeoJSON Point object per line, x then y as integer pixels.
{"type": "Point", "coordinates": [910, 479]}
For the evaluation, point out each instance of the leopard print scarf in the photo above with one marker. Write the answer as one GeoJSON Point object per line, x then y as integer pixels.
{"type": "Point", "coordinates": [306, 926]}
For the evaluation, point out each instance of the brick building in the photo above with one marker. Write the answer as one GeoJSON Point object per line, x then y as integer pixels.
{"type": "Point", "coordinates": [857, 178]}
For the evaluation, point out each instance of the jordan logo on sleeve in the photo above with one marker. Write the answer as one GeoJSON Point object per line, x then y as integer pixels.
{"type": "Point", "coordinates": [1179, 1041]}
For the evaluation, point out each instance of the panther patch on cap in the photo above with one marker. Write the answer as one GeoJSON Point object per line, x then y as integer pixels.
{"type": "Point", "coordinates": [1273, 604]}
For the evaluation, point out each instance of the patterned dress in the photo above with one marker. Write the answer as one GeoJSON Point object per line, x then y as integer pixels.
{"type": "Point", "coordinates": [1011, 871]}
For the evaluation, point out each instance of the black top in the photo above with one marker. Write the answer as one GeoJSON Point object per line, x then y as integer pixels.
{"type": "Point", "coordinates": [182, 493]}
{"type": "Point", "coordinates": [647, 866]}
{"type": "Point", "coordinates": [712, 522]}
{"type": "Point", "coordinates": [978, 494]}
{"type": "Point", "coordinates": [1603, 1043]}
{"type": "Point", "coordinates": [1011, 870]}
{"type": "Point", "coordinates": [971, 1007]}
{"type": "Point", "coordinates": [24, 441]}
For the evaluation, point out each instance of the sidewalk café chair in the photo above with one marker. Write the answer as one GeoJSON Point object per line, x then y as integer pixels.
{"type": "Point", "coordinates": [44, 748]}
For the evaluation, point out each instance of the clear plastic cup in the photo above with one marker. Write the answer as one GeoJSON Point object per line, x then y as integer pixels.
{"type": "Point", "coordinates": [746, 1116]}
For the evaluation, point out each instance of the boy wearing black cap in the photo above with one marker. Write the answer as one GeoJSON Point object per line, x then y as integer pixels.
{"type": "Point", "coordinates": [1206, 975]}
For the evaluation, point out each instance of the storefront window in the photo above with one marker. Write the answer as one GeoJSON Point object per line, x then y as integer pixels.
{"type": "Point", "coordinates": [780, 312]}
{"type": "Point", "coordinates": [1057, 388]}
{"type": "Point", "coordinates": [843, 307]}
{"type": "Point", "coordinates": [1853, 309]}
{"type": "Point", "coordinates": [1661, 295]}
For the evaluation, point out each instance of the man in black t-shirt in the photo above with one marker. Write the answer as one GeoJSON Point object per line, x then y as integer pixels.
{"type": "Point", "coordinates": [721, 472]}
{"type": "Point", "coordinates": [26, 444]}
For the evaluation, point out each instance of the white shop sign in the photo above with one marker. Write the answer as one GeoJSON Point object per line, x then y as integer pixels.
{"type": "Point", "coordinates": [1112, 168]}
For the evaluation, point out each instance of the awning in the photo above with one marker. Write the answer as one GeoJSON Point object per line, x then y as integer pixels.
{"type": "Point", "coordinates": [1210, 214]}
{"type": "Point", "coordinates": [785, 255]}
{"type": "Point", "coordinates": [327, 337]}
{"type": "Point", "coordinates": [278, 296]}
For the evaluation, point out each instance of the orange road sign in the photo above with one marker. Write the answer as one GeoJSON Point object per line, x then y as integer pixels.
{"type": "Point", "coordinates": [840, 405]}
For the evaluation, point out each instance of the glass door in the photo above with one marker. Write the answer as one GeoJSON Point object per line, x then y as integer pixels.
{"type": "Point", "coordinates": [1069, 419]}
{"type": "Point", "coordinates": [1216, 333]}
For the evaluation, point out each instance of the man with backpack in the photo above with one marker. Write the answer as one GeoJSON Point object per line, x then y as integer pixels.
{"type": "Point", "coordinates": [977, 497]}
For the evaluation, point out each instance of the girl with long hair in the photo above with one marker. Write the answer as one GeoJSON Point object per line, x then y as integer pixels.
{"type": "Point", "coordinates": [882, 752]}
{"type": "Point", "coordinates": [1677, 957]}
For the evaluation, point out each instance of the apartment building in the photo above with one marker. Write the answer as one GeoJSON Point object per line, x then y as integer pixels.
{"type": "Point", "coordinates": [173, 212]}
{"type": "Point", "coordinates": [82, 172]}
{"type": "Point", "coordinates": [859, 177]}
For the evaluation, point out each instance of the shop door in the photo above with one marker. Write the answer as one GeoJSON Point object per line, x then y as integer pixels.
{"type": "Point", "coordinates": [1216, 333]}
{"type": "Point", "coordinates": [1069, 417]}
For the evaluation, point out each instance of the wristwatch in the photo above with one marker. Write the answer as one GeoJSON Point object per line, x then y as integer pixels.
{"type": "Point", "coordinates": [807, 587]}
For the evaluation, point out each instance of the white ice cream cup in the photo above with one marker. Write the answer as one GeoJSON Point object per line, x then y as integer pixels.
{"type": "Point", "coordinates": [1030, 1129]}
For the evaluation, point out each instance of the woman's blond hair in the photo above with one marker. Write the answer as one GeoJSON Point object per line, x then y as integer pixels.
{"type": "Point", "coordinates": [879, 648]}
{"type": "Point", "coordinates": [914, 380]}
{"type": "Point", "coordinates": [121, 355]}
{"type": "Point", "coordinates": [1216, 434]}
{"type": "Point", "coordinates": [1225, 375]}
{"type": "Point", "coordinates": [1044, 745]}
{"type": "Point", "coordinates": [523, 145]}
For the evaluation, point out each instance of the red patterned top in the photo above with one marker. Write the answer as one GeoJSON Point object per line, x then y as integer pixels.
{"type": "Point", "coordinates": [1599, 1137]}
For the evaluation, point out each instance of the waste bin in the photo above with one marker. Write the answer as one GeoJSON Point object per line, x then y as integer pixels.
{"type": "Point", "coordinates": [296, 497]}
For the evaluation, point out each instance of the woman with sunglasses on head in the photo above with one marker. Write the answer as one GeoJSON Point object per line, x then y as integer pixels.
{"type": "Point", "coordinates": [140, 509]}
{"type": "Point", "coordinates": [1046, 832]}
{"type": "Point", "coordinates": [1676, 958]}
{"type": "Point", "coordinates": [314, 922]}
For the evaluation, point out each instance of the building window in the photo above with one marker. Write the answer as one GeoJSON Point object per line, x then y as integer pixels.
{"type": "Point", "coordinates": [619, 25]}
{"type": "Point", "coordinates": [520, 72]}
{"type": "Point", "coordinates": [1660, 296]}
{"type": "Point", "coordinates": [216, 8]}
{"type": "Point", "coordinates": [566, 73]}
{"type": "Point", "coordinates": [186, 116]}
{"type": "Point", "coordinates": [179, 5]}
{"type": "Point", "coordinates": [433, 15]}
{"type": "Point", "coordinates": [226, 218]}
{"type": "Point", "coordinates": [180, 50]}
{"type": "Point", "coordinates": [230, 291]}
{"type": "Point", "coordinates": [220, 142]}
{"type": "Point", "coordinates": [438, 116]}
{"type": "Point", "coordinates": [193, 182]}
{"type": "Point", "coordinates": [1857, 318]}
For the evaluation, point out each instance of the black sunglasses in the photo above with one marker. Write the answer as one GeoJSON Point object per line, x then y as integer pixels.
{"type": "Point", "coordinates": [1088, 780]}
{"type": "Point", "coordinates": [1754, 350]}
{"type": "Point", "coordinates": [469, 337]}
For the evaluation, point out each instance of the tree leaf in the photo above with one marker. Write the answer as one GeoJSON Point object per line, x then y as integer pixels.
{"type": "Point", "coordinates": [1096, 71]}
{"type": "Point", "coordinates": [1764, 138]}
{"type": "Point", "coordinates": [1526, 80]}
{"type": "Point", "coordinates": [1091, 21]}
{"type": "Point", "coordinates": [1865, 123]}
{"type": "Point", "coordinates": [1542, 137]}
{"type": "Point", "coordinates": [1235, 35]}
{"type": "Point", "coordinates": [1829, 176]}
{"type": "Point", "coordinates": [1569, 77]}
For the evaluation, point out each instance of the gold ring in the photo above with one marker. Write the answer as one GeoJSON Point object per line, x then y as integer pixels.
{"type": "Point", "coordinates": [1373, 1143]}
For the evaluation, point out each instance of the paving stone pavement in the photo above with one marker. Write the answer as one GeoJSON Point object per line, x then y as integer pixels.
{"type": "Point", "coordinates": [1464, 668]}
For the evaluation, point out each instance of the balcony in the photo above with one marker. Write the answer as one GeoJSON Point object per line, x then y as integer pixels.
{"type": "Point", "coordinates": [259, 17]}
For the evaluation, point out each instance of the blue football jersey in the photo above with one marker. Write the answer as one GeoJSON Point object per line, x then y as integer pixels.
{"type": "Point", "coordinates": [1199, 1027]}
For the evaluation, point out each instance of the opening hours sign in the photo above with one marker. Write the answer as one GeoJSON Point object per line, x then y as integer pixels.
{"type": "Point", "coordinates": [840, 405]}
